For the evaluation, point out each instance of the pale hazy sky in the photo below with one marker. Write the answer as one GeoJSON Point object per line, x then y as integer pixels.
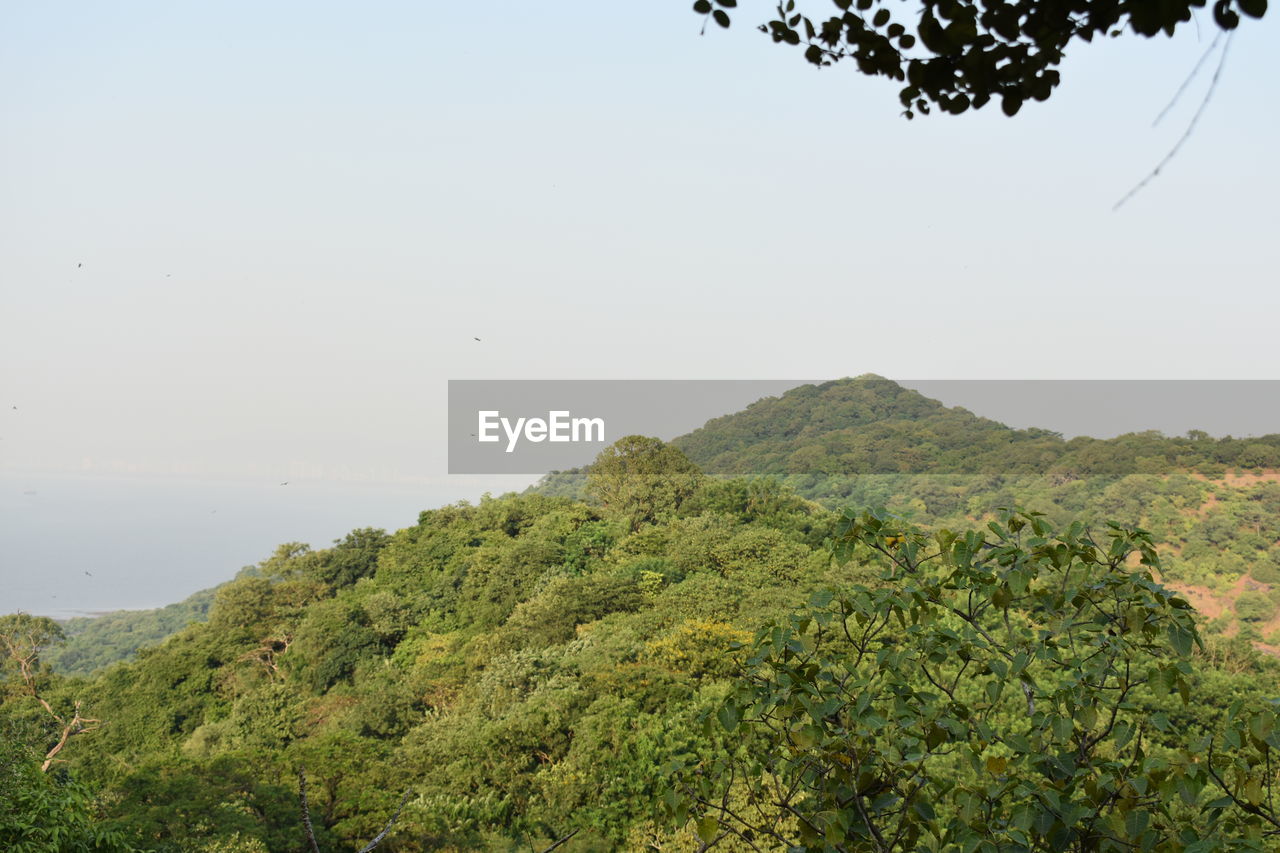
{"type": "Point", "coordinates": [293, 218]}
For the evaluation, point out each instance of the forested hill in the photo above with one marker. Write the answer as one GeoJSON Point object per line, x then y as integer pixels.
{"type": "Point", "coordinates": [868, 441]}
{"type": "Point", "coordinates": [872, 425]}
{"type": "Point", "coordinates": [863, 425]}
{"type": "Point", "coordinates": [1213, 504]}
{"type": "Point", "coordinates": [539, 673]}
{"type": "Point", "coordinates": [93, 642]}
{"type": "Point", "coordinates": [821, 438]}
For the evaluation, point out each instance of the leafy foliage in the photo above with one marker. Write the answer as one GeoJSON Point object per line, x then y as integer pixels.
{"type": "Point", "coordinates": [42, 812]}
{"type": "Point", "coordinates": [641, 479]}
{"type": "Point", "coordinates": [983, 694]}
{"type": "Point", "coordinates": [958, 54]}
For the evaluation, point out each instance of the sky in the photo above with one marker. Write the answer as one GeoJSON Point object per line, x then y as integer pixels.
{"type": "Point", "coordinates": [252, 242]}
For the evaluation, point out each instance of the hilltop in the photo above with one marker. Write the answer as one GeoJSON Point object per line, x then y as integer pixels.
{"type": "Point", "coordinates": [872, 425]}
{"type": "Point", "coordinates": [863, 425]}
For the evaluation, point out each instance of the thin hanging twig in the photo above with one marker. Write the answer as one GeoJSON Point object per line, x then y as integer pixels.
{"type": "Point", "coordinates": [1213, 84]}
{"type": "Point", "coordinates": [1187, 82]}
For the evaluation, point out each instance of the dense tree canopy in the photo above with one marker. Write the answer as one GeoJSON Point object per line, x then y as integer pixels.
{"type": "Point", "coordinates": [642, 479]}
{"type": "Point", "coordinates": [990, 691]}
{"type": "Point", "coordinates": [960, 54]}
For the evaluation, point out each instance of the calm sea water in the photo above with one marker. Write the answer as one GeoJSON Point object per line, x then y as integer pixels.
{"type": "Point", "coordinates": [72, 545]}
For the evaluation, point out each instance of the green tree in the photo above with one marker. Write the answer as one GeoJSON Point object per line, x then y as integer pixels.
{"type": "Point", "coordinates": [957, 54]}
{"type": "Point", "coordinates": [47, 812]}
{"type": "Point", "coordinates": [219, 804]}
{"type": "Point", "coordinates": [986, 694]}
{"type": "Point", "coordinates": [24, 637]}
{"type": "Point", "coordinates": [641, 479]}
{"type": "Point", "coordinates": [1254, 607]}
{"type": "Point", "coordinates": [351, 558]}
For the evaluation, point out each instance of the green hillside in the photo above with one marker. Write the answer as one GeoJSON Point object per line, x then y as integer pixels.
{"type": "Point", "coordinates": [624, 672]}
{"type": "Point", "coordinates": [870, 442]}
{"type": "Point", "coordinates": [526, 669]}
{"type": "Point", "coordinates": [1212, 503]}
{"type": "Point", "coordinates": [860, 426]}
{"type": "Point", "coordinates": [826, 433]}
{"type": "Point", "coordinates": [93, 642]}
{"type": "Point", "coordinates": [823, 438]}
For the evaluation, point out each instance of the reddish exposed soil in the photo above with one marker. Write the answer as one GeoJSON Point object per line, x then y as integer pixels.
{"type": "Point", "coordinates": [1212, 604]}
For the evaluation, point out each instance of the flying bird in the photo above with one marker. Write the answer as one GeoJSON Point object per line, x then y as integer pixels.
{"type": "Point", "coordinates": [87, 573]}
{"type": "Point", "coordinates": [78, 266]}
{"type": "Point", "coordinates": [285, 483]}
{"type": "Point", "coordinates": [477, 339]}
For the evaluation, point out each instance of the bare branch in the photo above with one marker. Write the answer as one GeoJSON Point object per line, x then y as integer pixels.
{"type": "Point", "coordinates": [1187, 82]}
{"type": "Point", "coordinates": [306, 812]}
{"type": "Point", "coordinates": [553, 846]}
{"type": "Point", "coordinates": [377, 839]}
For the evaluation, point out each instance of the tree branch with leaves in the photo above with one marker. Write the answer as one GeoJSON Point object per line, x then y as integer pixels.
{"type": "Point", "coordinates": [954, 55]}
